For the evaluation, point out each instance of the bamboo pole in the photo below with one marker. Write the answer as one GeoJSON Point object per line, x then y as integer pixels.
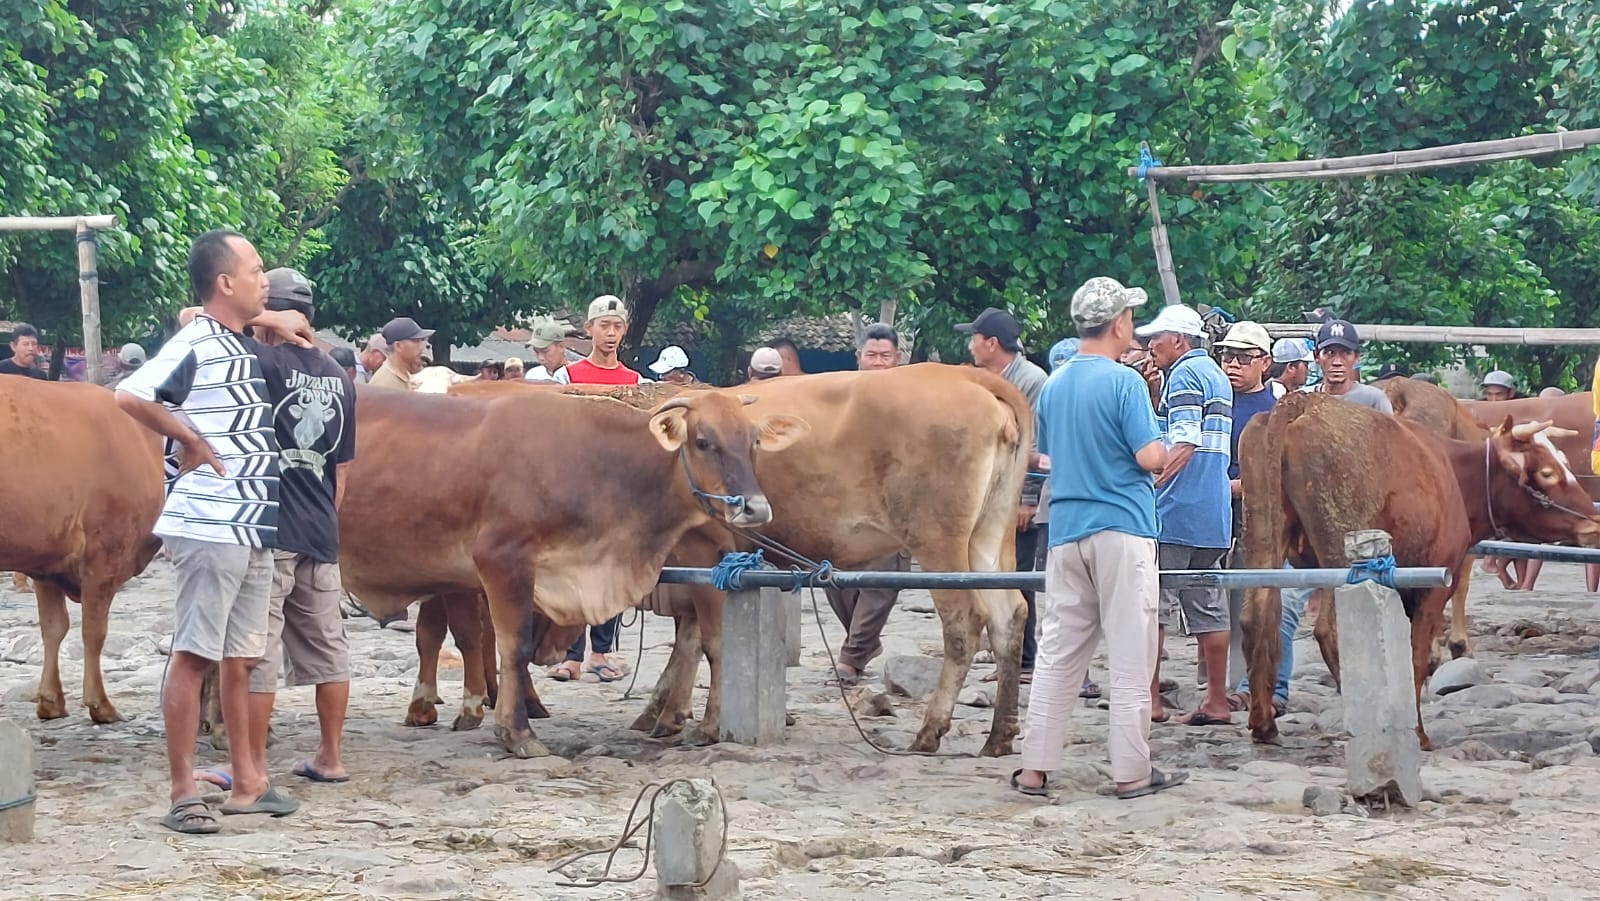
{"type": "Point", "coordinates": [89, 297]}
{"type": "Point", "coordinates": [1381, 163]}
{"type": "Point", "coordinates": [55, 223]}
{"type": "Point", "coordinates": [1449, 334]}
{"type": "Point", "coordinates": [1158, 238]}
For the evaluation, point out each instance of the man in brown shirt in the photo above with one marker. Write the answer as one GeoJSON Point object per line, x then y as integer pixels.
{"type": "Point", "coordinates": [407, 342]}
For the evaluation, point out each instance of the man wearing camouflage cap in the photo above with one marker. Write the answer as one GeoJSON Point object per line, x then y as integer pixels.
{"type": "Point", "coordinates": [1100, 576]}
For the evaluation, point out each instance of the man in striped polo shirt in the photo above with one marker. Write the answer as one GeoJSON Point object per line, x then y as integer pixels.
{"type": "Point", "coordinates": [1194, 409]}
{"type": "Point", "coordinates": [220, 519]}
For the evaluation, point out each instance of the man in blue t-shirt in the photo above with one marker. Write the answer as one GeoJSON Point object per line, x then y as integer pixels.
{"type": "Point", "coordinates": [1101, 574]}
{"type": "Point", "coordinates": [1195, 410]}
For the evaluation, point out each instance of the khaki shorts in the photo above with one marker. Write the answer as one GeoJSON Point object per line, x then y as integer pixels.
{"type": "Point", "coordinates": [1199, 610]}
{"type": "Point", "coordinates": [223, 594]}
{"type": "Point", "coordinates": [306, 641]}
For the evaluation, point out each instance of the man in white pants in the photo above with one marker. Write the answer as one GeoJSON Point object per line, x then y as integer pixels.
{"type": "Point", "coordinates": [1101, 574]}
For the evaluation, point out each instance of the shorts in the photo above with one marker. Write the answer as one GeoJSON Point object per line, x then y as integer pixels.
{"type": "Point", "coordinates": [223, 594]}
{"type": "Point", "coordinates": [1200, 610]}
{"type": "Point", "coordinates": [306, 642]}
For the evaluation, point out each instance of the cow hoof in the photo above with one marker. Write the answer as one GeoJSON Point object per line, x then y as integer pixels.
{"type": "Point", "coordinates": [1267, 735]}
{"type": "Point", "coordinates": [1459, 649]}
{"type": "Point", "coordinates": [50, 708]}
{"type": "Point", "coordinates": [523, 746]}
{"type": "Point", "coordinates": [666, 729]}
{"type": "Point", "coordinates": [104, 714]}
{"type": "Point", "coordinates": [926, 742]}
{"type": "Point", "coordinates": [788, 719]}
{"type": "Point", "coordinates": [1424, 741]}
{"type": "Point", "coordinates": [466, 723]}
{"type": "Point", "coordinates": [645, 722]}
{"type": "Point", "coordinates": [421, 713]}
{"type": "Point", "coordinates": [535, 710]}
{"type": "Point", "coordinates": [697, 738]}
{"type": "Point", "coordinates": [993, 748]}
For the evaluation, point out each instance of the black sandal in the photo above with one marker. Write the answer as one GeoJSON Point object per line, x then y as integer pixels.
{"type": "Point", "coordinates": [1159, 781]}
{"type": "Point", "coordinates": [1042, 790]}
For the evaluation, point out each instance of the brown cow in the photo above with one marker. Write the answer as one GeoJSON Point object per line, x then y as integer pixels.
{"type": "Point", "coordinates": [577, 532]}
{"type": "Point", "coordinates": [1572, 412]}
{"type": "Point", "coordinates": [928, 458]}
{"type": "Point", "coordinates": [84, 490]}
{"type": "Point", "coordinates": [1340, 478]}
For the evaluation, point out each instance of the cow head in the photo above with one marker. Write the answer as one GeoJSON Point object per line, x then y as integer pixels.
{"type": "Point", "coordinates": [1537, 496]}
{"type": "Point", "coordinates": [716, 442]}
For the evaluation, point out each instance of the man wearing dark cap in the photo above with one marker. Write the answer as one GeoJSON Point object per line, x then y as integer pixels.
{"type": "Point", "coordinates": [1389, 371]}
{"type": "Point", "coordinates": [407, 342]}
{"type": "Point", "coordinates": [994, 344]}
{"type": "Point", "coordinates": [1338, 352]}
{"type": "Point", "coordinates": [346, 358]}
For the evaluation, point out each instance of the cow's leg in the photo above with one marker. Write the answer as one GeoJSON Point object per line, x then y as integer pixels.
{"type": "Point", "coordinates": [668, 711]}
{"type": "Point", "coordinates": [211, 722]}
{"type": "Point", "coordinates": [507, 579]}
{"type": "Point", "coordinates": [1460, 641]}
{"type": "Point", "coordinates": [96, 612]}
{"type": "Point", "coordinates": [491, 673]}
{"type": "Point", "coordinates": [463, 612]}
{"type": "Point", "coordinates": [1427, 620]}
{"type": "Point", "coordinates": [1261, 621]}
{"type": "Point", "coordinates": [960, 620]}
{"type": "Point", "coordinates": [1326, 632]}
{"type": "Point", "coordinates": [432, 618]}
{"type": "Point", "coordinates": [708, 604]}
{"type": "Point", "coordinates": [51, 702]}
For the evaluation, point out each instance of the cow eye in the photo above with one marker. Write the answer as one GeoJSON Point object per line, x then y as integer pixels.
{"type": "Point", "coordinates": [1547, 474]}
{"type": "Point", "coordinates": [702, 444]}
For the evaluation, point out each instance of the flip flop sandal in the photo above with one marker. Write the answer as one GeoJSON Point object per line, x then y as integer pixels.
{"type": "Point", "coordinates": [848, 680]}
{"type": "Point", "coordinates": [270, 803]}
{"type": "Point", "coordinates": [1238, 702]}
{"type": "Point", "coordinates": [217, 776]}
{"type": "Point", "coordinates": [191, 816]}
{"type": "Point", "coordinates": [1041, 790]}
{"type": "Point", "coordinates": [1201, 718]}
{"type": "Point", "coordinates": [1159, 781]}
{"type": "Point", "coordinates": [305, 770]}
{"type": "Point", "coordinates": [560, 672]}
{"type": "Point", "coordinates": [601, 671]}
{"type": "Point", "coordinates": [1089, 690]}
{"type": "Point", "coordinates": [1279, 707]}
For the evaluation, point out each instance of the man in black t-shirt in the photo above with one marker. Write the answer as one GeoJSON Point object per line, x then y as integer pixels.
{"type": "Point", "coordinates": [24, 348]}
{"type": "Point", "coordinates": [313, 416]}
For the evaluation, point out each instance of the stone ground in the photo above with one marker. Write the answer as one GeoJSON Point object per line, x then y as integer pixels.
{"type": "Point", "coordinates": [430, 814]}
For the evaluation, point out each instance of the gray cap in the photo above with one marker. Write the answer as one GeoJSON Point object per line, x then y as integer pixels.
{"type": "Point", "coordinates": [1502, 379]}
{"type": "Point", "coordinates": [1100, 299]}
{"type": "Point", "coordinates": [131, 355]}
{"type": "Point", "coordinates": [546, 332]}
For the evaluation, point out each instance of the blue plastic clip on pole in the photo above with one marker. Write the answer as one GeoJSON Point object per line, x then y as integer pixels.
{"type": "Point", "coordinates": [1146, 160]}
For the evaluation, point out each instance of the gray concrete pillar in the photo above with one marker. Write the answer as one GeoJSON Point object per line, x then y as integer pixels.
{"type": "Point", "coordinates": [16, 783]}
{"type": "Point", "coordinates": [686, 837]}
{"type": "Point", "coordinates": [792, 625]}
{"type": "Point", "coordinates": [753, 656]}
{"type": "Point", "coordinates": [1382, 757]}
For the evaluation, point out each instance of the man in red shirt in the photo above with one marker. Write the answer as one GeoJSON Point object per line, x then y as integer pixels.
{"type": "Point", "coordinates": [606, 324]}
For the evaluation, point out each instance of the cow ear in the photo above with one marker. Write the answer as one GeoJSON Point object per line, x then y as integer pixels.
{"type": "Point", "coordinates": [1504, 428]}
{"type": "Point", "coordinates": [671, 428]}
{"type": "Point", "coordinates": [1514, 462]}
{"type": "Point", "coordinates": [778, 432]}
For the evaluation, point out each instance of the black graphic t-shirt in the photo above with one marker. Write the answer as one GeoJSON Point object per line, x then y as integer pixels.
{"type": "Point", "coordinates": [313, 414]}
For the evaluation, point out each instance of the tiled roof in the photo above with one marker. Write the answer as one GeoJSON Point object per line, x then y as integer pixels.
{"type": "Point", "coordinates": [832, 333]}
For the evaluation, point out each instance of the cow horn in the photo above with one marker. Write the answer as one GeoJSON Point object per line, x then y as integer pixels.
{"type": "Point", "coordinates": [675, 403]}
{"type": "Point", "coordinates": [1526, 430]}
{"type": "Point", "coordinates": [747, 399]}
{"type": "Point", "coordinates": [1558, 432]}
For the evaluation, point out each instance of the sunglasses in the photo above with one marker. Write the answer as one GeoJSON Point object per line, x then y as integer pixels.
{"type": "Point", "coordinates": [1241, 356]}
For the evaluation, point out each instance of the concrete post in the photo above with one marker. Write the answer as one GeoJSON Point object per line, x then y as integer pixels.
{"type": "Point", "coordinates": [753, 656]}
{"type": "Point", "coordinates": [16, 783]}
{"type": "Point", "coordinates": [793, 610]}
{"type": "Point", "coordinates": [686, 838]}
{"type": "Point", "coordinates": [1382, 757]}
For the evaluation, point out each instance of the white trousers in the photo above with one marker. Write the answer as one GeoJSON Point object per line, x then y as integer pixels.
{"type": "Point", "coordinates": [1106, 584]}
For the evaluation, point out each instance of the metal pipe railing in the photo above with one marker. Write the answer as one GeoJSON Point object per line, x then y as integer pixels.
{"type": "Point", "coordinates": [1551, 553]}
{"type": "Point", "coordinates": [1404, 577]}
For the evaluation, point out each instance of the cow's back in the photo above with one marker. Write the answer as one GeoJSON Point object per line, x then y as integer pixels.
{"type": "Point", "coordinates": [1432, 406]}
{"type": "Point", "coordinates": [84, 482]}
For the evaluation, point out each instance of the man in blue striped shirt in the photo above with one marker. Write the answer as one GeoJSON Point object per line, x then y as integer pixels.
{"type": "Point", "coordinates": [1195, 412]}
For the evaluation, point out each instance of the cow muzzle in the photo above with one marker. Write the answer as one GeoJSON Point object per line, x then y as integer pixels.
{"type": "Point", "coordinates": [754, 512]}
{"type": "Point", "coordinates": [1588, 533]}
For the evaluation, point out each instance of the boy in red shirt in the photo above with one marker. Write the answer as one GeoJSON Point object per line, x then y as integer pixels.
{"type": "Point", "coordinates": [606, 323]}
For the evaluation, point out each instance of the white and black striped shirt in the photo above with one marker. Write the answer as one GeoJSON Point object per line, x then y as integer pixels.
{"type": "Point", "coordinates": [208, 373]}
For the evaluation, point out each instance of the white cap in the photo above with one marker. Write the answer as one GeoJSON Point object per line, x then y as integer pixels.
{"type": "Point", "coordinates": [1247, 335]}
{"type": "Point", "coordinates": [1500, 378]}
{"type": "Point", "coordinates": [766, 361]}
{"type": "Point", "coordinates": [1174, 318]}
{"type": "Point", "coordinates": [671, 358]}
{"type": "Point", "coordinates": [1292, 350]}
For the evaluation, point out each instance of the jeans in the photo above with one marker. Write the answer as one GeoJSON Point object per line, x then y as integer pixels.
{"type": "Point", "coordinates": [1029, 543]}
{"type": "Point", "coordinates": [603, 637]}
{"type": "Point", "coordinates": [1293, 605]}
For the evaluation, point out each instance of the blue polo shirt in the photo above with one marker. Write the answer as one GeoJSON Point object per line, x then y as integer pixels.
{"type": "Point", "coordinates": [1094, 415]}
{"type": "Point", "coordinates": [1197, 408]}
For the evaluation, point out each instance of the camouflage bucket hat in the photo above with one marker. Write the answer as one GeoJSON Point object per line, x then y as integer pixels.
{"type": "Point", "coordinates": [1100, 299]}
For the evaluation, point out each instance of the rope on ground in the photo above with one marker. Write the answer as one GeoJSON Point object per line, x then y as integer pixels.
{"type": "Point", "coordinates": [629, 829]}
{"type": "Point", "coordinates": [638, 615]}
{"type": "Point", "coordinates": [1378, 569]}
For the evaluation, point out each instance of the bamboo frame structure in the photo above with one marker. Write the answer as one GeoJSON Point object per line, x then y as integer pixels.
{"type": "Point", "coordinates": [88, 273]}
{"type": "Point", "coordinates": [1449, 334]}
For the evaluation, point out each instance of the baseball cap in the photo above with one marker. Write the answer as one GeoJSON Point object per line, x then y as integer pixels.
{"type": "Point", "coordinates": [344, 356]}
{"type": "Point", "coordinates": [607, 305]}
{"type": "Point", "coordinates": [131, 355]}
{"type": "Point", "coordinates": [994, 323]}
{"type": "Point", "coordinates": [1338, 333]}
{"type": "Point", "coordinates": [1500, 378]}
{"type": "Point", "coordinates": [376, 343]}
{"type": "Point", "coordinates": [546, 332]}
{"type": "Point", "coordinates": [1291, 350]}
{"type": "Point", "coordinates": [1247, 336]}
{"type": "Point", "coordinates": [287, 289]}
{"type": "Point", "coordinates": [766, 361]}
{"type": "Point", "coordinates": [673, 357]}
{"type": "Point", "coordinates": [514, 363]}
{"type": "Point", "coordinates": [1100, 299]}
{"type": "Point", "coordinates": [405, 329]}
{"type": "Point", "coordinates": [1389, 371]}
{"type": "Point", "coordinates": [1174, 317]}
{"type": "Point", "coordinates": [1062, 352]}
